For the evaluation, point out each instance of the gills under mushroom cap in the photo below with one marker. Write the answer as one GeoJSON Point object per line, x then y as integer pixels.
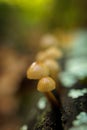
{"type": "Point", "coordinates": [46, 84]}
{"type": "Point", "coordinates": [37, 70]}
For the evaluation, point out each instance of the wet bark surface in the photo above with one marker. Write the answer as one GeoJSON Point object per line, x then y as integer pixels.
{"type": "Point", "coordinates": [50, 120]}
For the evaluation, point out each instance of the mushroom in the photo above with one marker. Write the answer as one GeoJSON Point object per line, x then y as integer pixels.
{"type": "Point", "coordinates": [53, 53]}
{"type": "Point", "coordinates": [46, 85]}
{"type": "Point", "coordinates": [41, 56]}
{"type": "Point", "coordinates": [50, 53]}
{"type": "Point", "coordinates": [53, 66]}
{"type": "Point", "coordinates": [48, 40]}
{"type": "Point", "coordinates": [42, 69]}
{"type": "Point", "coordinates": [37, 70]}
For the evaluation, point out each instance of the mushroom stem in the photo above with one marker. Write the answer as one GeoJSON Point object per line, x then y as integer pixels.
{"type": "Point", "coordinates": [46, 85]}
{"type": "Point", "coordinates": [52, 99]}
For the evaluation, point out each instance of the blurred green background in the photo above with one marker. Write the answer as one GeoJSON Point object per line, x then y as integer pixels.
{"type": "Point", "coordinates": [20, 19]}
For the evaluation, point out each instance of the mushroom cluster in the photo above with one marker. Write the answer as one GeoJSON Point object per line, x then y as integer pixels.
{"type": "Point", "coordinates": [46, 69]}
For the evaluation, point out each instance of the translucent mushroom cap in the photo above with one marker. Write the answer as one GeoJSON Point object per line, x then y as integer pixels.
{"type": "Point", "coordinates": [50, 53]}
{"type": "Point", "coordinates": [37, 70]}
{"type": "Point", "coordinates": [46, 84]}
{"type": "Point", "coordinates": [53, 53]}
{"type": "Point", "coordinates": [41, 56]}
{"type": "Point", "coordinates": [48, 40]}
{"type": "Point", "coordinates": [53, 66]}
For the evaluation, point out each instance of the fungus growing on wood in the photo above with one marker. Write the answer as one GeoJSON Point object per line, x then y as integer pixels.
{"type": "Point", "coordinates": [37, 70]}
{"type": "Point", "coordinates": [44, 67]}
{"type": "Point", "coordinates": [46, 85]}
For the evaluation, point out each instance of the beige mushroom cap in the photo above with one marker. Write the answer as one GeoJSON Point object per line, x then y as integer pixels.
{"type": "Point", "coordinates": [37, 70]}
{"type": "Point", "coordinates": [50, 53]}
{"type": "Point", "coordinates": [46, 84]}
{"type": "Point", "coordinates": [53, 66]}
{"type": "Point", "coordinates": [41, 56]}
{"type": "Point", "coordinates": [48, 40]}
{"type": "Point", "coordinates": [53, 53]}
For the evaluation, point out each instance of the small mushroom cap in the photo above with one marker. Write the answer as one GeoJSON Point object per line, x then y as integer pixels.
{"type": "Point", "coordinates": [53, 66]}
{"type": "Point", "coordinates": [41, 56]}
{"type": "Point", "coordinates": [48, 40]}
{"type": "Point", "coordinates": [46, 84]}
{"type": "Point", "coordinates": [53, 53]}
{"type": "Point", "coordinates": [37, 70]}
{"type": "Point", "coordinates": [50, 53]}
